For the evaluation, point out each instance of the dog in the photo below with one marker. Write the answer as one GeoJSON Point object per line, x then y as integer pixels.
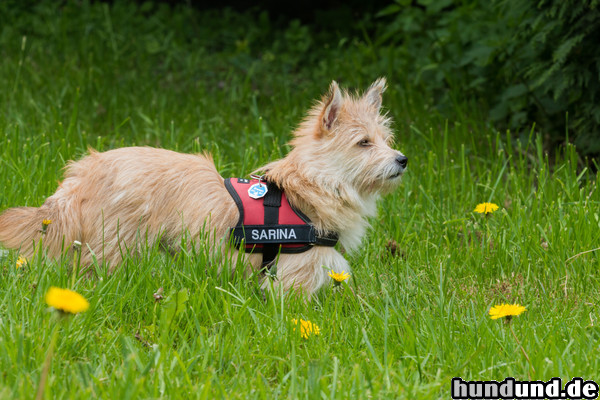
{"type": "Point", "coordinates": [340, 163]}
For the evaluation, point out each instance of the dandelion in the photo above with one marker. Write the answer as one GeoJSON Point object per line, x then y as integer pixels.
{"type": "Point", "coordinates": [506, 310]}
{"type": "Point", "coordinates": [45, 224]}
{"type": "Point", "coordinates": [338, 278]}
{"type": "Point", "coordinates": [509, 311]}
{"type": "Point", "coordinates": [307, 328]}
{"type": "Point", "coordinates": [486, 208]}
{"type": "Point", "coordinates": [21, 261]}
{"type": "Point", "coordinates": [66, 300]}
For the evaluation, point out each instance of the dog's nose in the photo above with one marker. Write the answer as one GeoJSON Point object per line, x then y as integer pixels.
{"type": "Point", "coordinates": [402, 160]}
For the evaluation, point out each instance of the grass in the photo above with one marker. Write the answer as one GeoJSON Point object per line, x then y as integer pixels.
{"type": "Point", "coordinates": [108, 76]}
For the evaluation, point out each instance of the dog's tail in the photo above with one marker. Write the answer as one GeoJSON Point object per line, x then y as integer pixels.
{"type": "Point", "coordinates": [19, 228]}
{"type": "Point", "coordinates": [22, 228]}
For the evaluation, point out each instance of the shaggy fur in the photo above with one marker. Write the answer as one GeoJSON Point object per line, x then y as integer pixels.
{"type": "Point", "coordinates": [340, 163]}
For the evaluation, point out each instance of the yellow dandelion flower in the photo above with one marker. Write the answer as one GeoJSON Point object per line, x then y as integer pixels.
{"type": "Point", "coordinates": [307, 328]}
{"type": "Point", "coordinates": [21, 261]}
{"type": "Point", "coordinates": [486, 208]}
{"type": "Point", "coordinates": [66, 300]}
{"type": "Point", "coordinates": [506, 310]}
{"type": "Point", "coordinates": [45, 224]}
{"type": "Point", "coordinates": [339, 278]}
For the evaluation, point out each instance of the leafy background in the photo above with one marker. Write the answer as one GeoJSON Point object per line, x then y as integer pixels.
{"type": "Point", "coordinates": [527, 61]}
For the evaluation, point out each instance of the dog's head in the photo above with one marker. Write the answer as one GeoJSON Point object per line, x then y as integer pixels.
{"type": "Point", "coordinates": [350, 139]}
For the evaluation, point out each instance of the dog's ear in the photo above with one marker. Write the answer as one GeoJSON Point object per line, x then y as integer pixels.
{"type": "Point", "coordinates": [373, 94]}
{"type": "Point", "coordinates": [333, 104]}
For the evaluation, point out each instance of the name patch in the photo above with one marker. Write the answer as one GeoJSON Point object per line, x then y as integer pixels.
{"type": "Point", "coordinates": [279, 234]}
{"type": "Point", "coordinates": [273, 234]}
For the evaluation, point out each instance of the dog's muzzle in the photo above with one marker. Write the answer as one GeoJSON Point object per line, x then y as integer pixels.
{"type": "Point", "coordinates": [402, 160]}
{"type": "Point", "coordinates": [401, 164]}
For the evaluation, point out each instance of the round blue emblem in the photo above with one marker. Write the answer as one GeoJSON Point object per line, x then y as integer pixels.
{"type": "Point", "coordinates": [257, 190]}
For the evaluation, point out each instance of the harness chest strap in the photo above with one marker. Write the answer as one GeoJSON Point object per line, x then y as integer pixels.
{"type": "Point", "coordinates": [270, 225]}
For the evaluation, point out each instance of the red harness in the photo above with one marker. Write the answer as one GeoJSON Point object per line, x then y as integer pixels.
{"type": "Point", "coordinates": [269, 224]}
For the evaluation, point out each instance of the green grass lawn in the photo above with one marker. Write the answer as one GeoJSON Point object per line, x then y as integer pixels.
{"type": "Point", "coordinates": [415, 312]}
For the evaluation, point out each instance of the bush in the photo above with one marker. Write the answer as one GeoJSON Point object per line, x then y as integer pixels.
{"type": "Point", "coordinates": [527, 61]}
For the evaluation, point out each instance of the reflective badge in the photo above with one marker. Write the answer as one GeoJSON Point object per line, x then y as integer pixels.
{"type": "Point", "coordinates": [257, 190]}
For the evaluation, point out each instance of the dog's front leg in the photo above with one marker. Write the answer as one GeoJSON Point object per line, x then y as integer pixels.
{"type": "Point", "coordinates": [308, 271]}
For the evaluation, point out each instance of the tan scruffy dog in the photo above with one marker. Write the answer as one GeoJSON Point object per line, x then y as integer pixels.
{"type": "Point", "coordinates": [340, 163]}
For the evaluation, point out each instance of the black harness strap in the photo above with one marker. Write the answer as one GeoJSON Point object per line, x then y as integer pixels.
{"type": "Point", "coordinates": [271, 203]}
{"type": "Point", "coordinates": [330, 240]}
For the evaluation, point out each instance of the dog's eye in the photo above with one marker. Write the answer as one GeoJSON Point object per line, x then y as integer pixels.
{"type": "Point", "coordinates": [364, 143]}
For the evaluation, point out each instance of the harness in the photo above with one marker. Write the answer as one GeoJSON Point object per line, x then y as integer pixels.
{"type": "Point", "coordinates": [269, 224]}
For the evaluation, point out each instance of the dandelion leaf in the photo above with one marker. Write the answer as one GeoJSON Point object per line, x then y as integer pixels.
{"type": "Point", "coordinates": [173, 306]}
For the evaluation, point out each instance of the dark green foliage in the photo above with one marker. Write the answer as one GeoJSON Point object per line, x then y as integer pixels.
{"type": "Point", "coordinates": [526, 60]}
